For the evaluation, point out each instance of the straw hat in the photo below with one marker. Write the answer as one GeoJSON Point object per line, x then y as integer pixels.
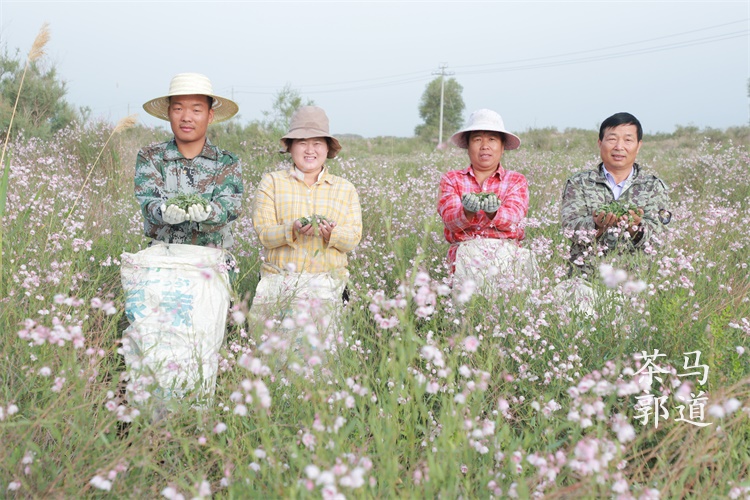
{"type": "Point", "coordinates": [485, 119]}
{"type": "Point", "coordinates": [191, 84]}
{"type": "Point", "coordinates": [308, 122]}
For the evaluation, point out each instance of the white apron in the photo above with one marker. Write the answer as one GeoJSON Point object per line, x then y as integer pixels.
{"type": "Point", "coordinates": [305, 308]}
{"type": "Point", "coordinates": [489, 262]}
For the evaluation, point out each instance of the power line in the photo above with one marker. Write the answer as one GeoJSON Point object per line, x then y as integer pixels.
{"type": "Point", "coordinates": [374, 86]}
{"type": "Point", "coordinates": [415, 76]}
{"type": "Point", "coordinates": [343, 89]}
{"type": "Point", "coordinates": [617, 55]}
{"type": "Point", "coordinates": [600, 49]}
{"type": "Point", "coordinates": [515, 65]}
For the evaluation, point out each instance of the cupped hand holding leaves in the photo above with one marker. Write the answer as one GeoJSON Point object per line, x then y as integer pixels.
{"type": "Point", "coordinates": [307, 226]}
{"type": "Point", "coordinates": [198, 212]}
{"type": "Point", "coordinates": [173, 214]}
{"type": "Point", "coordinates": [474, 202]}
{"type": "Point", "coordinates": [603, 221]}
{"type": "Point", "coordinates": [490, 204]}
{"type": "Point", "coordinates": [612, 214]}
{"type": "Point", "coordinates": [634, 218]}
{"type": "Point", "coordinates": [185, 207]}
{"type": "Point", "coordinates": [471, 202]}
{"type": "Point", "coordinates": [325, 227]}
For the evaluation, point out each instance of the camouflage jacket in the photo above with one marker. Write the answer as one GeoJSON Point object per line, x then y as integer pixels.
{"type": "Point", "coordinates": [162, 172]}
{"type": "Point", "coordinates": [586, 192]}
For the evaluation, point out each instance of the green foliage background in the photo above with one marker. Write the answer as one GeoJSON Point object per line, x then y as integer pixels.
{"type": "Point", "coordinates": [42, 108]}
{"type": "Point", "coordinates": [429, 110]}
{"type": "Point", "coordinates": [417, 441]}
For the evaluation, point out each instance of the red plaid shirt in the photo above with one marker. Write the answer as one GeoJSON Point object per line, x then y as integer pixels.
{"type": "Point", "coordinates": [512, 190]}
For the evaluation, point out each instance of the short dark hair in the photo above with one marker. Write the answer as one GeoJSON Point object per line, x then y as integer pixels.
{"type": "Point", "coordinates": [621, 119]}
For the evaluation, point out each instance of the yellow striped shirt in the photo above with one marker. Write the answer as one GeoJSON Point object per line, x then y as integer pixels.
{"type": "Point", "coordinates": [282, 198]}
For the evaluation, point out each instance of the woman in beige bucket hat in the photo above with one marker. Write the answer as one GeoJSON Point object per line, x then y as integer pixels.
{"type": "Point", "coordinates": [307, 220]}
{"type": "Point", "coordinates": [483, 206]}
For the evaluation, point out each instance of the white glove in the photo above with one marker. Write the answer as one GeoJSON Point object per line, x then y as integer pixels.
{"type": "Point", "coordinates": [173, 214]}
{"type": "Point", "coordinates": [470, 201]}
{"type": "Point", "coordinates": [491, 204]}
{"type": "Point", "coordinates": [197, 213]}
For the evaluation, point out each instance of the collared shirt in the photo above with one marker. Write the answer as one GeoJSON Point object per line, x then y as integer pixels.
{"type": "Point", "coordinates": [617, 189]}
{"type": "Point", "coordinates": [162, 172]}
{"type": "Point", "coordinates": [509, 186]}
{"type": "Point", "coordinates": [282, 198]}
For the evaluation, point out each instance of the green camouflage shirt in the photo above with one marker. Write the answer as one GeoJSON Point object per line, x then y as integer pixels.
{"type": "Point", "coordinates": [162, 172]}
{"type": "Point", "coordinates": [586, 192]}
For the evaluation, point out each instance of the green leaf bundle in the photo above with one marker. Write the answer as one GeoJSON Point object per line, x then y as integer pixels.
{"type": "Point", "coordinates": [618, 208]}
{"type": "Point", "coordinates": [313, 220]}
{"type": "Point", "coordinates": [184, 201]}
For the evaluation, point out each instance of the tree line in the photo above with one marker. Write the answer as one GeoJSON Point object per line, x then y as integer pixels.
{"type": "Point", "coordinates": [43, 110]}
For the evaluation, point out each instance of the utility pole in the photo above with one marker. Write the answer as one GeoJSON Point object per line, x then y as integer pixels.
{"type": "Point", "coordinates": [442, 99]}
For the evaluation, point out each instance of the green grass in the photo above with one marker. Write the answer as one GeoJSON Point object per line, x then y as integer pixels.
{"type": "Point", "coordinates": [372, 405]}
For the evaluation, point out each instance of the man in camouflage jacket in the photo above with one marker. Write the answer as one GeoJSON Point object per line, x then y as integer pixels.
{"type": "Point", "coordinates": [594, 232]}
{"type": "Point", "coordinates": [189, 164]}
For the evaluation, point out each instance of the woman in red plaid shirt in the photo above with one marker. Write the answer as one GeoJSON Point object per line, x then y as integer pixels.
{"type": "Point", "coordinates": [483, 206]}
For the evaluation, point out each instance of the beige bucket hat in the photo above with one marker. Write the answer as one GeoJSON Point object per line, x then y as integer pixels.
{"type": "Point", "coordinates": [190, 84]}
{"type": "Point", "coordinates": [308, 122]}
{"type": "Point", "coordinates": [485, 119]}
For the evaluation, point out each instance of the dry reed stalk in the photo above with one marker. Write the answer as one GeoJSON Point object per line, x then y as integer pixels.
{"type": "Point", "coordinates": [682, 450]}
{"type": "Point", "coordinates": [685, 447]}
{"type": "Point", "coordinates": [123, 124]}
{"type": "Point", "coordinates": [37, 51]}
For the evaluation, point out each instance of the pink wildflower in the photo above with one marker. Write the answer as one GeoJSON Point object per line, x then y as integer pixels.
{"type": "Point", "coordinates": [731, 405]}
{"type": "Point", "coordinates": [204, 489]}
{"type": "Point", "coordinates": [100, 483]}
{"type": "Point", "coordinates": [171, 493]}
{"type": "Point", "coordinates": [471, 343]}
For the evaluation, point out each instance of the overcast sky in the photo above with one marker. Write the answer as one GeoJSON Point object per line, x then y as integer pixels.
{"type": "Point", "coordinates": [539, 64]}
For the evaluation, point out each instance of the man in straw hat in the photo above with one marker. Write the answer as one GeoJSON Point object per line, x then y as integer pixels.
{"type": "Point", "coordinates": [483, 206]}
{"type": "Point", "coordinates": [307, 220]}
{"type": "Point", "coordinates": [178, 292]}
{"type": "Point", "coordinates": [189, 164]}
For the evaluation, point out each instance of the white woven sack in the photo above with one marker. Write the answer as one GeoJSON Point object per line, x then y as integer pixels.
{"type": "Point", "coordinates": [177, 297]}
{"type": "Point", "coordinates": [307, 298]}
{"type": "Point", "coordinates": [581, 297]}
{"type": "Point", "coordinates": [578, 294]}
{"type": "Point", "coordinates": [487, 261]}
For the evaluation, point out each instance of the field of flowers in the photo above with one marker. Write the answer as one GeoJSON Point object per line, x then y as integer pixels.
{"type": "Point", "coordinates": [424, 391]}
